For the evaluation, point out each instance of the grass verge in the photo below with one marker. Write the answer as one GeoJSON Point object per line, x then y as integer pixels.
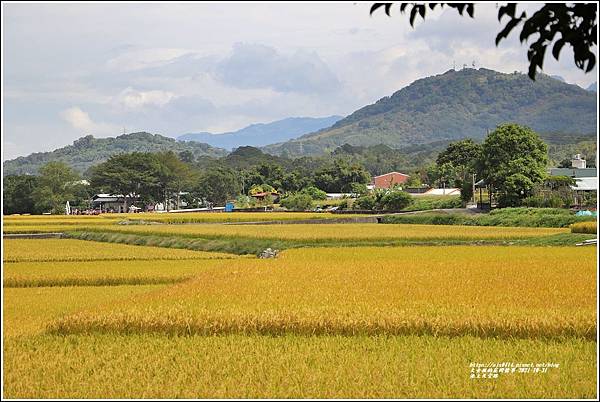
{"type": "Point", "coordinates": [514, 217]}
{"type": "Point", "coordinates": [253, 246]}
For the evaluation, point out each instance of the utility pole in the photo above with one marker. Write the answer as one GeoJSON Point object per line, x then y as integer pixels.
{"type": "Point", "coordinates": [474, 187]}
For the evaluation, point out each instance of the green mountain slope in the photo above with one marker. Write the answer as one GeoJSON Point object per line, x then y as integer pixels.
{"type": "Point", "coordinates": [88, 151]}
{"type": "Point", "coordinates": [455, 105]}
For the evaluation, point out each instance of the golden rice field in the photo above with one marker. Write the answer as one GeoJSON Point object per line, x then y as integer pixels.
{"type": "Point", "coordinates": [358, 231]}
{"type": "Point", "coordinates": [487, 291]}
{"type": "Point", "coordinates": [351, 322]}
{"type": "Point", "coordinates": [41, 228]}
{"type": "Point", "coordinates": [178, 217]}
{"type": "Point", "coordinates": [27, 311]}
{"type": "Point", "coordinates": [237, 366]}
{"type": "Point", "coordinates": [214, 217]}
{"type": "Point", "coordinates": [55, 250]}
{"type": "Point", "coordinates": [103, 273]}
{"type": "Point", "coordinates": [66, 262]}
{"type": "Point", "coordinates": [62, 223]}
{"type": "Point", "coordinates": [60, 220]}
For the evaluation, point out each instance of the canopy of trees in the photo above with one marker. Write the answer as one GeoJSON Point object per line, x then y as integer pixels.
{"type": "Point", "coordinates": [512, 159]}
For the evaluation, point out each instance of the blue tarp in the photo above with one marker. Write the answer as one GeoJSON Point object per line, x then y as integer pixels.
{"type": "Point", "coordinates": [586, 213]}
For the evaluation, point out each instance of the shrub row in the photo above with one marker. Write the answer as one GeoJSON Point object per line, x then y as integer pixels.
{"type": "Point", "coordinates": [520, 217]}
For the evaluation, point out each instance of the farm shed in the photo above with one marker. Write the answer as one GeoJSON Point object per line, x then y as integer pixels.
{"type": "Point", "coordinates": [108, 202]}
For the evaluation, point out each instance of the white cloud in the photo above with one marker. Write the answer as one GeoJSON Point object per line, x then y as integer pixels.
{"type": "Point", "coordinates": [138, 59]}
{"type": "Point", "coordinates": [81, 121]}
{"type": "Point", "coordinates": [91, 66]}
{"type": "Point", "coordinates": [133, 99]}
{"type": "Point", "coordinates": [78, 119]}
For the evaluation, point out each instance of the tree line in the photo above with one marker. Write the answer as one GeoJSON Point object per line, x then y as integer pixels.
{"type": "Point", "coordinates": [512, 162]}
{"type": "Point", "coordinates": [167, 177]}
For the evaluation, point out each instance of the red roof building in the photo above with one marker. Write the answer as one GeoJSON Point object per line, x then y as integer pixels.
{"type": "Point", "coordinates": [390, 179]}
{"type": "Point", "coordinates": [264, 194]}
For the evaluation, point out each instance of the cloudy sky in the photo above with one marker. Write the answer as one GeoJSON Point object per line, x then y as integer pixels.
{"type": "Point", "coordinates": [75, 69]}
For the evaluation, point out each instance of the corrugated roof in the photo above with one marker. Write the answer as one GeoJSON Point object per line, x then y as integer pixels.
{"type": "Point", "coordinates": [386, 174]}
{"type": "Point", "coordinates": [109, 195]}
{"type": "Point", "coordinates": [573, 172]}
{"type": "Point", "coordinates": [263, 194]}
{"type": "Point", "coordinates": [586, 184]}
{"type": "Point", "coordinates": [106, 199]}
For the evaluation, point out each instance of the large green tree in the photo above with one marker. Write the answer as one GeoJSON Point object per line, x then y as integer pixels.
{"type": "Point", "coordinates": [136, 176]}
{"type": "Point", "coordinates": [462, 155]}
{"type": "Point", "coordinates": [17, 194]}
{"type": "Point", "coordinates": [340, 175]}
{"type": "Point", "coordinates": [216, 186]}
{"type": "Point", "coordinates": [56, 185]}
{"type": "Point", "coordinates": [457, 163]}
{"type": "Point", "coordinates": [513, 160]}
{"type": "Point", "coordinates": [174, 176]}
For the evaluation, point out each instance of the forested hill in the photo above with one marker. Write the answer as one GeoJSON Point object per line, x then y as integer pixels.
{"type": "Point", "coordinates": [454, 105]}
{"type": "Point", "coordinates": [88, 151]}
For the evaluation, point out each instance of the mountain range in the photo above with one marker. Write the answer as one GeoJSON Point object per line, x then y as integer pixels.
{"type": "Point", "coordinates": [428, 113]}
{"type": "Point", "coordinates": [454, 105]}
{"type": "Point", "coordinates": [261, 134]}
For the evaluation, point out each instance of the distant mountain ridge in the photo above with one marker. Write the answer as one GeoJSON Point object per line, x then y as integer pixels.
{"type": "Point", "coordinates": [88, 151]}
{"type": "Point", "coordinates": [427, 114]}
{"type": "Point", "coordinates": [261, 134]}
{"type": "Point", "coordinates": [455, 105]}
